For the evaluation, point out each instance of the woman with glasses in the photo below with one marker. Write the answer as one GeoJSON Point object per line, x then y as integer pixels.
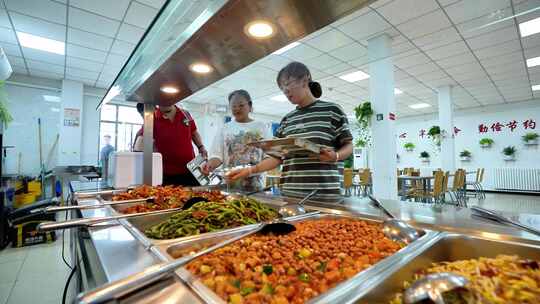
{"type": "Point", "coordinates": [319, 121]}
{"type": "Point", "coordinates": [230, 144]}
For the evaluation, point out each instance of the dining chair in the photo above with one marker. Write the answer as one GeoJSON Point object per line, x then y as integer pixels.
{"type": "Point", "coordinates": [365, 181]}
{"type": "Point", "coordinates": [348, 180]}
{"type": "Point", "coordinates": [477, 184]}
{"type": "Point", "coordinates": [435, 195]}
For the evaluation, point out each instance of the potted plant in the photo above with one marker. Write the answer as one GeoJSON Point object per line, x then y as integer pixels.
{"type": "Point", "coordinates": [436, 135]}
{"type": "Point", "coordinates": [465, 155]}
{"type": "Point", "coordinates": [5, 117]}
{"type": "Point", "coordinates": [530, 138]}
{"type": "Point", "coordinates": [424, 156]}
{"type": "Point", "coordinates": [486, 142]}
{"type": "Point", "coordinates": [363, 113]}
{"type": "Point", "coordinates": [409, 146]}
{"type": "Point", "coordinates": [509, 153]}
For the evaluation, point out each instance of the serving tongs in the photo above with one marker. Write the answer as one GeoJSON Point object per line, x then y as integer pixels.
{"type": "Point", "coordinates": [495, 217]}
{"type": "Point", "coordinates": [52, 209]}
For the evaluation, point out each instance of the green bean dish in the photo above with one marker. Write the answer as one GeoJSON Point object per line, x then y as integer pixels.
{"type": "Point", "coordinates": [212, 216]}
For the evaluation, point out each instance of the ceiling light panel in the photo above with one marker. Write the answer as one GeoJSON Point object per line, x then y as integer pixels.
{"type": "Point", "coordinates": [42, 44]}
{"type": "Point", "coordinates": [530, 27]}
{"type": "Point", "coordinates": [354, 76]}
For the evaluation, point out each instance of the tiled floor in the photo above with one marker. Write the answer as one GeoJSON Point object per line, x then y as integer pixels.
{"type": "Point", "coordinates": [37, 274]}
{"type": "Point", "coordinates": [34, 274]}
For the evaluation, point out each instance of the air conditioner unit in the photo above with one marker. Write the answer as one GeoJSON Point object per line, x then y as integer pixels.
{"type": "Point", "coordinates": [5, 67]}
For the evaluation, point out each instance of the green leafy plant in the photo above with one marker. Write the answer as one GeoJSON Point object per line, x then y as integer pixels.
{"type": "Point", "coordinates": [509, 151]}
{"type": "Point", "coordinates": [363, 113]}
{"type": "Point", "coordinates": [486, 141]}
{"type": "Point", "coordinates": [348, 162]}
{"type": "Point", "coordinates": [409, 146]}
{"type": "Point", "coordinates": [424, 154]}
{"type": "Point", "coordinates": [465, 153]}
{"type": "Point", "coordinates": [436, 135]}
{"type": "Point", "coordinates": [530, 136]}
{"type": "Point", "coordinates": [5, 117]}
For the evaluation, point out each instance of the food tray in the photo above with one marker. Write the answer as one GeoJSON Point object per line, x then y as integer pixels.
{"type": "Point", "coordinates": [445, 247]}
{"type": "Point", "coordinates": [285, 146]}
{"type": "Point", "coordinates": [138, 225]}
{"type": "Point", "coordinates": [166, 252]}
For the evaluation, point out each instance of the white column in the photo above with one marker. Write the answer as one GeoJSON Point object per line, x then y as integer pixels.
{"type": "Point", "coordinates": [446, 123]}
{"type": "Point", "coordinates": [381, 87]}
{"type": "Point", "coordinates": [70, 130]}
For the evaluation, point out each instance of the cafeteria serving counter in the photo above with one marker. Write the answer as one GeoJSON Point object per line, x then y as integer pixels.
{"type": "Point", "coordinates": [114, 250]}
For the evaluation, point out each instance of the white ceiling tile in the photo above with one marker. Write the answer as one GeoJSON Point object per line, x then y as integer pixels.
{"type": "Point", "coordinates": [316, 74]}
{"type": "Point", "coordinates": [112, 9]}
{"type": "Point", "coordinates": [427, 24]}
{"type": "Point", "coordinates": [401, 48]}
{"type": "Point", "coordinates": [422, 69]}
{"type": "Point", "coordinates": [81, 73]}
{"type": "Point", "coordinates": [83, 64]}
{"type": "Point", "coordinates": [360, 62]}
{"type": "Point", "coordinates": [322, 62]}
{"type": "Point", "coordinates": [497, 50]}
{"type": "Point", "coordinates": [43, 66]}
{"type": "Point", "coordinates": [7, 35]}
{"type": "Point", "coordinates": [437, 39]}
{"type": "Point", "coordinates": [38, 27]}
{"type": "Point", "coordinates": [103, 84]}
{"type": "Point", "coordinates": [446, 51]}
{"type": "Point", "coordinates": [4, 19]}
{"type": "Point", "coordinates": [493, 38]}
{"type": "Point", "coordinates": [525, 6]}
{"type": "Point", "coordinates": [140, 15]}
{"type": "Point", "coordinates": [45, 74]}
{"type": "Point", "coordinates": [90, 40]}
{"type": "Point", "coordinates": [397, 12]}
{"type": "Point", "coordinates": [329, 41]}
{"type": "Point", "coordinates": [302, 52]}
{"type": "Point", "coordinates": [364, 26]}
{"type": "Point", "coordinates": [274, 62]}
{"type": "Point", "coordinates": [338, 68]}
{"type": "Point", "coordinates": [353, 15]}
{"type": "Point", "coordinates": [410, 61]}
{"type": "Point", "coordinates": [91, 22]}
{"type": "Point", "coordinates": [130, 33]}
{"type": "Point", "coordinates": [153, 3]}
{"type": "Point", "coordinates": [19, 70]}
{"type": "Point", "coordinates": [466, 10]}
{"type": "Point", "coordinates": [43, 9]}
{"type": "Point", "coordinates": [85, 53]}
{"type": "Point", "coordinates": [43, 56]}
{"type": "Point", "coordinates": [15, 60]}
{"type": "Point", "coordinates": [116, 60]}
{"type": "Point", "coordinates": [447, 2]}
{"type": "Point", "coordinates": [86, 81]}
{"type": "Point", "coordinates": [531, 52]}
{"type": "Point", "coordinates": [350, 52]}
{"type": "Point", "coordinates": [122, 48]}
{"type": "Point", "coordinates": [514, 58]}
{"type": "Point", "coordinates": [477, 27]}
{"type": "Point", "coordinates": [530, 41]}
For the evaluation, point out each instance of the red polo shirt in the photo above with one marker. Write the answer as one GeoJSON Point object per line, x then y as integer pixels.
{"type": "Point", "coordinates": [173, 140]}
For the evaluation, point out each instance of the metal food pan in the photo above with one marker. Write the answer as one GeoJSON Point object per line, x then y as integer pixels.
{"type": "Point", "coordinates": [138, 225]}
{"type": "Point", "coordinates": [446, 247]}
{"type": "Point", "coordinates": [168, 252]}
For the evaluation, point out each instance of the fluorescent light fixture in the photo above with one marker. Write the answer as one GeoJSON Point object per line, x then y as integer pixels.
{"type": "Point", "coordinates": [286, 48]}
{"type": "Point", "coordinates": [419, 106]}
{"type": "Point", "coordinates": [354, 76]}
{"type": "Point", "coordinates": [51, 98]}
{"type": "Point", "coordinates": [279, 97]}
{"type": "Point", "coordinates": [536, 87]}
{"type": "Point", "coordinates": [530, 27]}
{"type": "Point", "coordinates": [201, 68]}
{"type": "Point", "coordinates": [533, 62]}
{"type": "Point", "coordinates": [40, 43]}
{"type": "Point", "coordinates": [259, 29]}
{"type": "Point", "coordinates": [169, 90]}
{"type": "Point", "coordinates": [397, 91]}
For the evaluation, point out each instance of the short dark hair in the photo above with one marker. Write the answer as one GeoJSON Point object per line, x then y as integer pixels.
{"type": "Point", "coordinates": [140, 108]}
{"type": "Point", "coordinates": [242, 93]}
{"type": "Point", "coordinates": [299, 70]}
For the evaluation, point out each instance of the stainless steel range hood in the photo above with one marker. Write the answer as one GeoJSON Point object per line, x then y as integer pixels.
{"type": "Point", "coordinates": [216, 37]}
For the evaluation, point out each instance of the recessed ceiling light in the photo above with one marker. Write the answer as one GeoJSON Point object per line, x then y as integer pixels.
{"type": "Point", "coordinates": [201, 68]}
{"type": "Point", "coordinates": [279, 97]}
{"type": "Point", "coordinates": [286, 48]}
{"type": "Point", "coordinates": [536, 87]}
{"type": "Point", "coordinates": [397, 91]}
{"type": "Point", "coordinates": [169, 90]}
{"type": "Point", "coordinates": [533, 62]}
{"type": "Point", "coordinates": [419, 106]}
{"type": "Point", "coordinates": [51, 98]}
{"type": "Point", "coordinates": [354, 76]}
{"type": "Point", "coordinates": [530, 27]}
{"type": "Point", "coordinates": [40, 43]}
{"type": "Point", "coordinates": [259, 29]}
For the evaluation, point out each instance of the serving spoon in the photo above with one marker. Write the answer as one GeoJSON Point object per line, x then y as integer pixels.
{"type": "Point", "coordinates": [433, 286]}
{"type": "Point", "coordinates": [296, 208]}
{"type": "Point", "coordinates": [395, 229]}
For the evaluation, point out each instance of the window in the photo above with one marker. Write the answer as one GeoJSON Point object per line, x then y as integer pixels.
{"type": "Point", "coordinates": [121, 123]}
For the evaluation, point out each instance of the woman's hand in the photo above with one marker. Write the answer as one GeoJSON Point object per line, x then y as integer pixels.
{"type": "Point", "coordinates": [237, 174]}
{"type": "Point", "coordinates": [328, 155]}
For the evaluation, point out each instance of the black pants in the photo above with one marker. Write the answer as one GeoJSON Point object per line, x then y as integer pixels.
{"type": "Point", "coordinates": [180, 180]}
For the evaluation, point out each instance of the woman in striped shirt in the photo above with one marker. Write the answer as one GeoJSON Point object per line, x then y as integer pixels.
{"type": "Point", "coordinates": [321, 122]}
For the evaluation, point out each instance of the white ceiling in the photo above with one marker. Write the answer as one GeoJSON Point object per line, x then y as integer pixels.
{"type": "Point", "coordinates": [99, 35]}
{"type": "Point", "coordinates": [435, 43]}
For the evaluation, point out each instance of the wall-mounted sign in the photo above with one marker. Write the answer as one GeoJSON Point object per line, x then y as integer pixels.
{"type": "Point", "coordinates": [72, 117]}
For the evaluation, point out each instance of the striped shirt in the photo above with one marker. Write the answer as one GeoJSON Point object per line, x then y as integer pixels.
{"type": "Point", "coordinates": [323, 123]}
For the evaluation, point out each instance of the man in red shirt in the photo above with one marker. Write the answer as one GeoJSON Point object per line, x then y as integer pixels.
{"type": "Point", "coordinates": [174, 130]}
